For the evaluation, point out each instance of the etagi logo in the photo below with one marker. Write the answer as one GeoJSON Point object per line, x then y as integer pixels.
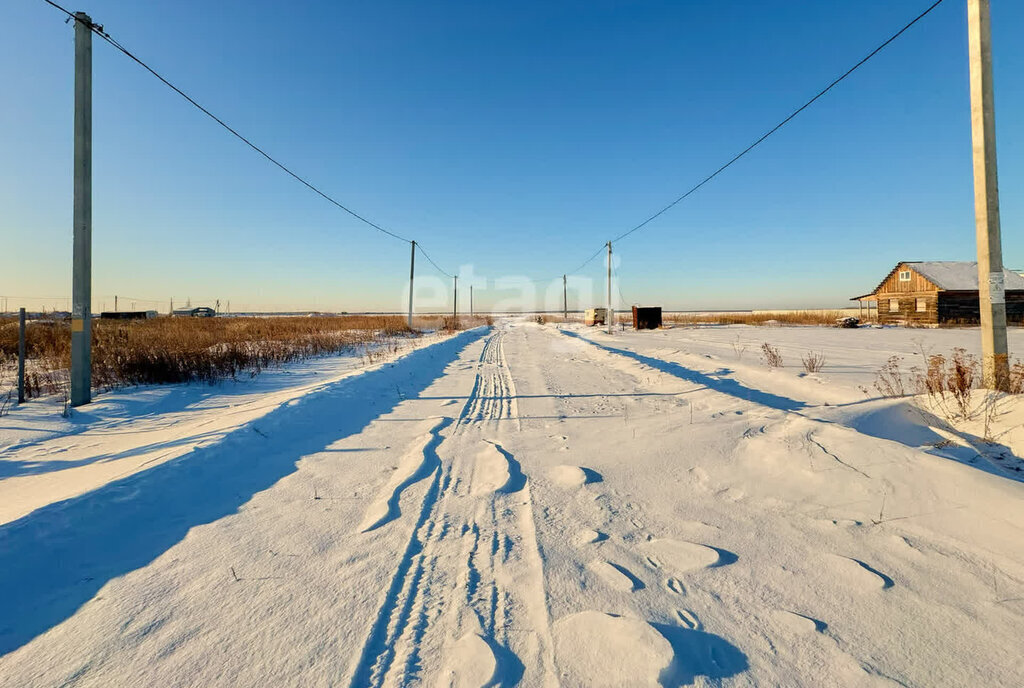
{"type": "Point", "coordinates": [508, 293]}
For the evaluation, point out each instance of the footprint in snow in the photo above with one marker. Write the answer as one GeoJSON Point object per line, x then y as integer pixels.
{"type": "Point", "coordinates": [673, 585]}
{"type": "Point", "coordinates": [689, 619]}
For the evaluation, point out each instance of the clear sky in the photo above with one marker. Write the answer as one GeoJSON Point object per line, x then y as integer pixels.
{"type": "Point", "coordinates": [511, 139]}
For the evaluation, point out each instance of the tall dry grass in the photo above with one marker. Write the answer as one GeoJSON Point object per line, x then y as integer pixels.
{"type": "Point", "coordinates": [174, 350]}
{"type": "Point", "coordinates": [766, 318]}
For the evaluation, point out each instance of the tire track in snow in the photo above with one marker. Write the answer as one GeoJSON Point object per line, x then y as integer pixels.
{"type": "Point", "coordinates": [487, 577]}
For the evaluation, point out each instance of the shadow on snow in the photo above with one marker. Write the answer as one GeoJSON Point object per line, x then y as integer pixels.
{"type": "Point", "coordinates": [56, 558]}
{"type": "Point", "coordinates": [719, 384]}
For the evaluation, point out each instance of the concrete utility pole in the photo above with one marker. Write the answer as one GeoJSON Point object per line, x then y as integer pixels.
{"type": "Point", "coordinates": [471, 300]}
{"type": "Point", "coordinates": [115, 303]}
{"type": "Point", "coordinates": [610, 314]}
{"type": "Point", "coordinates": [991, 288]}
{"type": "Point", "coordinates": [81, 280]}
{"type": "Point", "coordinates": [565, 301]}
{"type": "Point", "coordinates": [171, 311]}
{"type": "Point", "coordinates": [412, 272]}
{"type": "Point", "coordinates": [21, 356]}
{"type": "Point", "coordinates": [455, 300]}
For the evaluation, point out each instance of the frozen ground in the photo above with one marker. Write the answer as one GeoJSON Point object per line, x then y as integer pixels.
{"type": "Point", "coordinates": [527, 506]}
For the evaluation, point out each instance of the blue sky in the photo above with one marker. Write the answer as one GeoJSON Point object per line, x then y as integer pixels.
{"type": "Point", "coordinates": [510, 139]}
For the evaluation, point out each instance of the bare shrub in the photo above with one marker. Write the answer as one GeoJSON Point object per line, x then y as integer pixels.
{"type": "Point", "coordinates": [771, 356]}
{"type": "Point", "coordinates": [950, 383]}
{"type": "Point", "coordinates": [739, 347]}
{"type": "Point", "coordinates": [889, 379]}
{"type": "Point", "coordinates": [814, 362]}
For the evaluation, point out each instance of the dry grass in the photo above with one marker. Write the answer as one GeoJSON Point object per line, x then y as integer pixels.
{"type": "Point", "coordinates": [766, 318]}
{"type": "Point", "coordinates": [174, 350]}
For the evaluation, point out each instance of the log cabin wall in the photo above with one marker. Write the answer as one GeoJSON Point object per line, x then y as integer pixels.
{"type": "Point", "coordinates": [908, 312]}
{"type": "Point", "coordinates": [961, 307]}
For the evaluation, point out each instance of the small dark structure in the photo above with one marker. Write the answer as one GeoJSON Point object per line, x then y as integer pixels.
{"type": "Point", "coordinates": [938, 292]}
{"type": "Point", "coordinates": [646, 317]}
{"type": "Point", "coordinates": [127, 315]}
{"type": "Point", "coordinates": [197, 312]}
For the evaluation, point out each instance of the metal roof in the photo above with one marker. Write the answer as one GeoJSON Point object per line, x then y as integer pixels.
{"type": "Point", "coordinates": [955, 275]}
{"type": "Point", "coordinates": [949, 275]}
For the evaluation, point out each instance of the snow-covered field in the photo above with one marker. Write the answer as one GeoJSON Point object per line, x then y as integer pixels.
{"type": "Point", "coordinates": [525, 505]}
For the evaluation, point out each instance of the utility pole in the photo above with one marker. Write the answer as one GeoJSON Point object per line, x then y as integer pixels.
{"type": "Point", "coordinates": [471, 300]}
{"type": "Point", "coordinates": [565, 301]}
{"type": "Point", "coordinates": [171, 311]}
{"type": "Point", "coordinates": [991, 288]}
{"type": "Point", "coordinates": [21, 356]}
{"type": "Point", "coordinates": [609, 314]}
{"type": "Point", "coordinates": [412, 272]}
{"type": "Point", "coordinates": [115, 303]}
{"type": "Point", "coordinates": [455, 302]}
{"type": "Point", "coordinates": [81, 280]}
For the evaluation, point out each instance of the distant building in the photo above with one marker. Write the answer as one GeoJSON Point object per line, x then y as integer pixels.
{"type": "Point", "coordinates": [595, 316]}
{"type": "Point", "coordinates": [938, 292]}
{"type": "Point", "coordinates": [197, 312]}
{"type": "Point", "coordinates": [128, 315]}
{"type": "Point", "coordinates": [646, 317]}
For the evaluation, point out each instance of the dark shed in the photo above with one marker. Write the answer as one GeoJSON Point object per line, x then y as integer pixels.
{"type": "Point", "coordinates": [646, 317]}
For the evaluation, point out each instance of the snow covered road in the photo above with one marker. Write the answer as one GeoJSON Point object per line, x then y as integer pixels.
{"type": "Point", "coordinates": [529, 506]}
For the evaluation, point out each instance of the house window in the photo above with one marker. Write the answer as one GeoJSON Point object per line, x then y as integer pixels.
{"type": "Point", "coordinates": [922, 305]}
{"type": "Point", "coordinates": [894, 305]}
{"type": "Point", "coordinates": [904, 275]}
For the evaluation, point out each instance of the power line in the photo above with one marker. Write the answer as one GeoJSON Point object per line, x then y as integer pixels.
{"type": "Point", "coordinates": [98, 30]}
{"type": "Point", "coordinates": [431, 261]}
{"type": "Point", "coordinates": [781, 124]}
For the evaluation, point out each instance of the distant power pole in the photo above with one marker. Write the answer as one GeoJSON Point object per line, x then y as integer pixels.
{"type": "Point", "coordinates": [81, 279]}
{"type": "Point", "coordinates": [471, 300]}
{"type": "Point", "coordinates": [609, 314]}
{"type": "Point", "coordinates": [412, 273]}
{"type": "Point", "coordinates": [565, 301]}
{"type": "Point", "coordinates": [991, 289]}
{"type": "Point", "coordinates": [115, 303]}
{"type": "Point", "coordinates": [455, 300]}
{"type": "Point", "coordinates": [171, 311]}
{"type": "Point", "coordinates": [21, 356]}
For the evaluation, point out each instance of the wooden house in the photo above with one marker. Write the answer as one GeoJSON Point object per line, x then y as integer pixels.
{"type": "Point", "coordinates": [938, 292]}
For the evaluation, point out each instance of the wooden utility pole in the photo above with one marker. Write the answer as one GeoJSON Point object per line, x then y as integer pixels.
{"type": "Point", "coordinates": [609, 314]}
{"type": "Point", "coordinates": [991, 287]}
{"type": "Point", "coordinates": [455, 301]}
{"type": "Point", "coordinates": [565, 301]}
{"type": "Point", "coordinates": [81, 280]}
{"type": "Point", "coordinates": [412, 273]}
